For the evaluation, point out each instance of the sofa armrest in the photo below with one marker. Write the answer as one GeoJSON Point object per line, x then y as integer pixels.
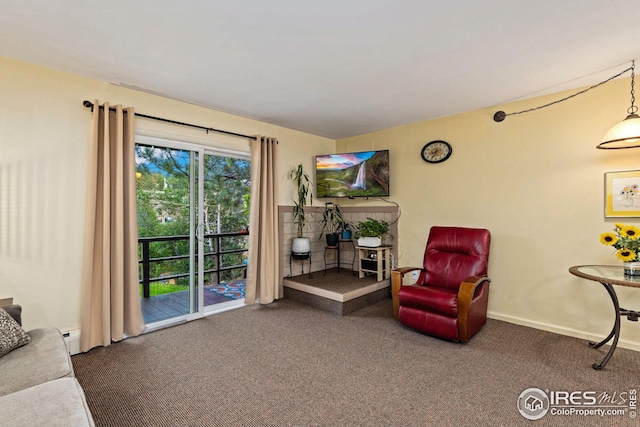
{"type": "Point", "coordinates": [44, 359]}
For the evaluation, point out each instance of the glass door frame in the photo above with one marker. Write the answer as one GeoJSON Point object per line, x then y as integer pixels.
{"type": "Point", "coordinates": [220, 152]}
{"type": "Point", "coordinates": [197, 309]}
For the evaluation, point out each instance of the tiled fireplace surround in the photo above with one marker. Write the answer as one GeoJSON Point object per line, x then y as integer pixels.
{"type": "Point", "coordinates": [288, 230]}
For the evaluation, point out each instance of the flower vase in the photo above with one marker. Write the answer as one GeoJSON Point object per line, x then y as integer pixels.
{"type": "Point", "coordinates": [631, 268]}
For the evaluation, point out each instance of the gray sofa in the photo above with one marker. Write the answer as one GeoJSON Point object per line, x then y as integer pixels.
{"type": "Point", "coordinates": [38, 386]}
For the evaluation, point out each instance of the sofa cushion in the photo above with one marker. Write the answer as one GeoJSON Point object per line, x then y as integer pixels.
{"type": "Point", "coordinates": [15, 311]}
{"type": "Point", "coordinates": [54, 403]}
{"type": "Point", "coordinates": [45, 358]}
{"type": "Point", "coordinates": [12, 335]}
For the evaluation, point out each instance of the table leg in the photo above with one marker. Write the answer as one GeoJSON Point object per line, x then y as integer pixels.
{"type": "Point", "coordinates": [353, 260]}
{"type": "Point", "coordinates": [615, 332]}
{"type": "Point", "coordinates": [387, 260]}
{"type": "Point", "coordinates": [325, 261]}
{"type": "Point", "coordinates": [379, 261]}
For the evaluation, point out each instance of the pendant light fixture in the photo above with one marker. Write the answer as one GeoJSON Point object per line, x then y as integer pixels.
{"type": "Point", "coordinates": [625, 134]}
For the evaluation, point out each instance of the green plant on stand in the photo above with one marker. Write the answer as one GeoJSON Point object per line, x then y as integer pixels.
{"type": "Point", "coordinates": [371, 232]}
{"type": "Point", "coordinates": [302, 183]}
{"type": "Point", "coordinates": [346, 229]}
{"type": "Point", "coordinates": [331, 221]}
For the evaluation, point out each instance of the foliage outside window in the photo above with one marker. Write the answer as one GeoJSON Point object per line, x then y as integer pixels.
{"type": "Point", "coordinates": [163, 198]}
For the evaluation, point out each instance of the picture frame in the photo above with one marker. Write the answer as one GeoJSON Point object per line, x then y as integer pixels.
{"type": "Point", "coordinates": [622, 194]}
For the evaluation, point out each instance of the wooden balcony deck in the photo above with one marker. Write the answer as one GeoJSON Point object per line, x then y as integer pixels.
{"type": "Point", "coordinates": [166, 306]}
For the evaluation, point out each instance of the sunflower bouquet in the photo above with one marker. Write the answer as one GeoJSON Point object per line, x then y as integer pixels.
{"type": "Point", "coordinates": [626, 239]}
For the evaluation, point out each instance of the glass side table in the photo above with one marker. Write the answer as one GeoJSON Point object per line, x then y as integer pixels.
{"type": "Point", "coordinates": [609, 275]}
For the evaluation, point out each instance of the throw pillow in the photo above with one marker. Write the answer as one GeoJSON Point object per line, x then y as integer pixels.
{"type": "Point", "coordinates": [15, 311]}
{"type": "Point", "coordinates": [12, 335]}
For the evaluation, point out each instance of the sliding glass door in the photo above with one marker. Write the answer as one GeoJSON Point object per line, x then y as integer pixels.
{"type": "Point", "coordinates": [193, 222]}
{"type": "Point", "coordinates": [225, 228]}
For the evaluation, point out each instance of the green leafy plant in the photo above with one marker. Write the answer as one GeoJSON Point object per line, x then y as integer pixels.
{"type": "Point", "coordinates": [332, 219]}
{"type": "Point", "coordinates": [302, 184]}
{"type": "Point", "coordinates": [346, 226]}
{"type": "Point", "coordinates": [372, 228]}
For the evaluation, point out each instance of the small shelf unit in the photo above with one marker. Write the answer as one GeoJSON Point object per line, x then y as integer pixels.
{"type": "Point", "coordinates": [374, 261]}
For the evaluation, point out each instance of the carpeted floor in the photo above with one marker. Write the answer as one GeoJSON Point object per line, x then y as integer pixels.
{"type": "Point", "coordinates": [286, 364]}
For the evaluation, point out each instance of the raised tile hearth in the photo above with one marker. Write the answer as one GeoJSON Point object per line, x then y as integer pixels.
{"type": "Point", "coordinates": [339, 291]}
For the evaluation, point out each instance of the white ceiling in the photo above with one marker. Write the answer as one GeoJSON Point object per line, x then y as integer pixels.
{"type": "Point", "coordinates": [334, 68]}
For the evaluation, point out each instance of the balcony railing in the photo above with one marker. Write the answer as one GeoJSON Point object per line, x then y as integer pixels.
{"type": "Point", "coordinates": [217, 251]}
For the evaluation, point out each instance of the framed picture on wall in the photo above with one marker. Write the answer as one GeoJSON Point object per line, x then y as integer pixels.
{"type": "Point", "coordinates": [622, 194]}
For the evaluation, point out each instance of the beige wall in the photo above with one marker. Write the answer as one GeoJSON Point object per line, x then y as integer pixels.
{"type": "Point", "coordinates": [44, 130]}
{"type": "Point", "coordinates": [536, 182]}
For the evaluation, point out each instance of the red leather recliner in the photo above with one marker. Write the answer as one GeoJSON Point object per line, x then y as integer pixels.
{"type": "Point", "coordinates": [449, 299]}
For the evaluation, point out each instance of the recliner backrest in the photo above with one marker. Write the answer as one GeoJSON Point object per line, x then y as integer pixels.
{"type": "Point", "coordinates": [454, 254]}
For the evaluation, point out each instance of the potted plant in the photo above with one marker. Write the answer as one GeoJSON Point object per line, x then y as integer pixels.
{"type": "Point", "coordinates": [371, 231]}
{"type": "Point", "coordinates": [300, 245]}
{"type": "Point", "coordinates": [346, 230]}
{"type": "Point", "coordinates": [624, 239]}
{"type": "Point", "coordinates": [331, 221]}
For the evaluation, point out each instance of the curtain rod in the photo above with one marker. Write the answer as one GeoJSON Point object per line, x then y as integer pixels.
{"type": "Point", "coordinates": [89, 104]}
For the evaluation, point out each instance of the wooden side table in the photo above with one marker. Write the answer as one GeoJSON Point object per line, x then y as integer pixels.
{"type": "Point", "coordinates": [374, 260]}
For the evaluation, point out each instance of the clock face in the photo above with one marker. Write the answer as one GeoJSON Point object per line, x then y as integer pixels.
{"type": "Point", "coordinates": [436, 151]}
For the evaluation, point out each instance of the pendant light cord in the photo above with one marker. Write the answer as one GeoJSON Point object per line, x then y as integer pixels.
{"type": "Point", "coordinates": [633, 109]}
{"type": "Point", "coordinates": [501, 115]}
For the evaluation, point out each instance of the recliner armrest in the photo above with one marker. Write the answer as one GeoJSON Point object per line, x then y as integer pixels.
{"type": "Point", "coordinates": [469, 285]}
{"type": "Point", "coordinates": [405, 270]}
{"type": "Point", "coordinates": [396, 283]}
{"type": "Point", "coordinates": [466, 294]}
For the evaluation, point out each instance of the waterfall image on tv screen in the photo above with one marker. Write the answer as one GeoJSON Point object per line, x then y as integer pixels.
{"type": "Point", "coordinates": [363, 174]}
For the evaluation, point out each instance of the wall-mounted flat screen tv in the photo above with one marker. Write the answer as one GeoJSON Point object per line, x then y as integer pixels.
{"type": "Point", "coordinates": [361, 174]}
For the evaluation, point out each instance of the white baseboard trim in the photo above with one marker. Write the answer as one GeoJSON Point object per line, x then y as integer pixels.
{"type": "Point", "coordinates": [560, 330]}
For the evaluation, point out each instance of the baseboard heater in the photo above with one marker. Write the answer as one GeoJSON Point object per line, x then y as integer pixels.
{"type": "Point", "coordinates": [72, 338]}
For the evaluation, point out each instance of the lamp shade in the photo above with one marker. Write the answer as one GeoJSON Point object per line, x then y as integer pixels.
{"type": "Point", "coordinates": [625, 134]}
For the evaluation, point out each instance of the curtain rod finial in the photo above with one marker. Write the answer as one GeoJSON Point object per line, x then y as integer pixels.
{"type": "Point", "coordinates": [87, 103]}
{"type": "Point", "coordinates": [499, 116]}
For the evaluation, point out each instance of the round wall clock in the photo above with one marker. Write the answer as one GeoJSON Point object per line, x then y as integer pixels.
{"type": "Point", "coordinates": [436, 151]}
